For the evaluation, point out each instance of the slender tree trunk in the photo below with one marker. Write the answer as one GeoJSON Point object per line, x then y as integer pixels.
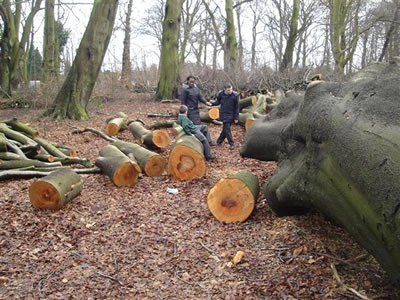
{"type": "Point", "coordinates": [169, 64]}
{"type": "Point", "coordinates": [230, 49]}
{"type": "Point", "coordinates": [72, 99]}
{"type": "Point", "coordinates": [49, 43]}
{"type": "Point", "coordinates": [287, 59]}
{"type": "Point", "coordinates": [126, 73]}
{"type": "Point", "coordinates": [240, 40]}
{"type": "Point", "coordinates": [389, 33]}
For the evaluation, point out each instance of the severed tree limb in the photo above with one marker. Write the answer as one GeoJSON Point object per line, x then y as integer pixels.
{"type": "Point", "coordinates": [95, 131]}
{"type": "Point", "coordinates": [32, 173]}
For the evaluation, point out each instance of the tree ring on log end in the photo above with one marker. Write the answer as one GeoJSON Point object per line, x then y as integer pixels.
{"type": "Point", "coordinates": [126, 174]}
{"type": "Point", "coordinates": [161, 138]}
{"type": "Point", "coordinates": [230, 200]}
{"type": "Point", "coordinates": [186, 163]}
{"type": "Point", "coordinates": [44, 195]}
{"type": "Point", "coordinates": [154, 166]}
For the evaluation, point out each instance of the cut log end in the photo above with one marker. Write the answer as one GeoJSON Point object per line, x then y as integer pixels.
{"type": "Point", "coordinates": [44, 195]}
{"type": "Point", "coordinates": [248, 123]}
{"type": "Point", "coordinates": [230, 200]}
{"type": "Point", "coordinates": [184, 163]}
{"type": "Point", "coordinates": [155, 166]}
{"type": "Point", "coordinates": [161, 138]}
{"type": "Point", "coordinates": [126, 174]}
{"type": "Point", "coordinates": [214, 113]}
{"type": "Point", "coordinates": [112, 129]}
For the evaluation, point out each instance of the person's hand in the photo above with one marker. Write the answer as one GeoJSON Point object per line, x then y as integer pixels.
{"type": "Point", "coordinates": [208, 103]}
{"type": "Point", "coordinates": [236, 121]}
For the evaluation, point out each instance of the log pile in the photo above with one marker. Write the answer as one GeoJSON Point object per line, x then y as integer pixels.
{"type": "Point", "coordinates": [24, 154]}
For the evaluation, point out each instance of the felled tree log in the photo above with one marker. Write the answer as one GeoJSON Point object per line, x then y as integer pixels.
{"type": "Point", "coordinates": [116, 124]}
{"type": "Point", "coordinates": [3, 142]}
{"type": "Point", "coordinates": [32, 173]}
{"type": "Point", "coordinates": [153, 139]}
{"type": "Point", "coordinates": [161, 124]}
{"type": "Point", "coordinates": [153, 164]}
{"type": "Point", "coordinates": [55, 190]}
{"type": "Point", "coordinates": [233, 198]}
{"type": "Point", "coordinates": [341, 155]}
{"type": "Point", "coordinates": [170, 101]}
{"type": "Point", "coordinates": [122, 170]}
{"type": "Point", "coordinates": [15, 135]}
{"type": "Point", "coordinates": [22, 127]}
{"type": "Point", "coordinates": [9, 156]}
{"type": "Point", "coordinates": [23, 163]}
{"type": "Point", "coordinates": [186, 159]}
{"type": "Point", "coordinates": [248, 101]}
{"type": "Point", "coordinates": [210, 115]}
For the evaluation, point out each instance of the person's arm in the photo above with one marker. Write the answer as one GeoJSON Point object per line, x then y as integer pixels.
{"type": "Point", "coordinates": [217, 101]}
{"type": "Point", "coordinates": [186, 125]}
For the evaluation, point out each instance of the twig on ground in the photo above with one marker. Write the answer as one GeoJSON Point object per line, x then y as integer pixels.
{"type": "Point", "coordinates": [110, 277]}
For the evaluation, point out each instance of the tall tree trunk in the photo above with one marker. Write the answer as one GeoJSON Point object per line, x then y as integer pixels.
{"type": "Point", "coordinates": [389, 33]}
{"type": "Point", "coordinates": [49, 43]}
{"type": "Point", "coordinates": [72, 99]}
{"type": "Point", "coordinates": [230, 49]}
{"type": "Point", "coordinates": [169, 65]}
{"type": "Point", "coordinates": [126, 72]}
{"type": "Point", "coordinates": [240, 40]}
{"type": "Point", "coordinates": [291, 41]}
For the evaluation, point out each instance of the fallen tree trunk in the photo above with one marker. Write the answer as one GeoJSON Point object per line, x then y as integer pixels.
{"type": "Point", "coordinates": [233, 198]}
{"type": "Point", "coordinates": [15, 135]}
{"type": "Point", "coordinates": [32, 173]}
{"type": "Point", "coordinates": [248, 101]}
{"type": "Point", "coordinates": [186, 159]}
{"type": "Point", "coordinates": [116, 124]}
{"type": "Point", "coordinates": [55, 190]}
{"type": "Point", "coordinates": [161, 124]}
{"type": "Point", "coordinates": [22, 127]}
{"type": "Point", "coordinates": [3, 142]}
{"type": "Point", "coordinates": [210, 115]}
{"type": "Point", "coordinates": [122, 170]}
{"type": "Point", "coordinates": [339, 153]}
{"type": "Point", "coordinates": [153, 139]}
{"type": "Point", "coordinates": [9, 156]}
{"type": "Point", "coordinates": [23, 163]}
{"type": "Point", "coordinates": [151, 163]}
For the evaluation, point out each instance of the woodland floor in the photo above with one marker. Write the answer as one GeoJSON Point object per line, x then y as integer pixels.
{"type": "Point", "coordinates": [142, 243]}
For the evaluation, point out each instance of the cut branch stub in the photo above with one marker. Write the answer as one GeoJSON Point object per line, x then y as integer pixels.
{"type": "Point", "coordinates": [153, 164]}
{"type": "Point", "coordinates": [122, 170]}
{"type": "Point", "coordinates": [55, 190]}
{"type": "Point", "coordinates": [234, 197]}
{"type": "Point", "coordinates": [186, 160]}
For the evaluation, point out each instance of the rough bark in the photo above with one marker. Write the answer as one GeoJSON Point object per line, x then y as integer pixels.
{"type": "Point", "coordinates": [233, 198]}
{"type": "Point", "coordinates": [73, 97]}
{"type": "Point", "coordinates": [22, 127]}
{"type": "Point", "coordinates": [338, 152]}
{"type": "Point", "coordinates": [55, 190]}
{"type": "Point", "coordinates": [116, 124]}
{"type": "Point", "coordinates": [49, 71]}
{"type": "Point", "coordinates": [287, 58]}
{"type": "Point", "coordinates": [169, 60]}
{"type": "Point", "coordinates": [126, 72]}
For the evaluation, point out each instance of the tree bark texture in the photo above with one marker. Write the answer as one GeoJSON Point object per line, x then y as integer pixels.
{"type": "Point", "coordinates": [338, 152]}
{"type": "Point", "coordinates": [169, 60]}
{"type": "Point", "coordinates": [49, 71]}
{"type": "Point", "coordinates": [73, 97]}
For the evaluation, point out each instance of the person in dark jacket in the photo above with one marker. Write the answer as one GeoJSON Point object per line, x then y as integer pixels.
{"type": "Point", "coordinates": [228, 113]}
{"type": "Point", "coordinates": [191, 96]}
{"type": "Point", "coordinates": [199, 131]}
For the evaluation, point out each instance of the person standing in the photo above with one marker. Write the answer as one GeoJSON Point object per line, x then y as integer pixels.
{"type": "Point", "coordinates": [191, 96]}
{"type": "Point", "coordinates": [228, 113]}
{"type": "Point", "coordinates": [199, 131]}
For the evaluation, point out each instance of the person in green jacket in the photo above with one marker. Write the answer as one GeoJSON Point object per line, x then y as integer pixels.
{"type": "Point", "coordinates": [199, 131]}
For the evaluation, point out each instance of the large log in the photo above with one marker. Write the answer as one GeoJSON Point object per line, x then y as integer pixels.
{"type": "Point", "coordinates": [22, 127]}
{"type": "Point", "coordinates": [116, 124]}
{"type": "Point", "coordinates": [186, 159]}
{"type": "Point", "coordinates": [248, 101]}
{"type": "Point", "coordinates": [210, 115]}
{"type": "Point", "coordinates": [153, 139]}
{"type": "Point", "coordinates": [233, 198]}
{"type": "Point", "coordinates": [55, 190]}
{"type": "Point", "coordinates": [122, 170]}
{"type": "Point", "coordinates": [340, 153]}
{"type": "Point", "coordinates": [153, 164]}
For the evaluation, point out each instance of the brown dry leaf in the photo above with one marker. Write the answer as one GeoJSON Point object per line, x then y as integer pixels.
{"type": "Point", "coordinates": [238, 257]}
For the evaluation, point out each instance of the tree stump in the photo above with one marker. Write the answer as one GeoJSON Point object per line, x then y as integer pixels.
{"type": "Point", "coordinates": [186, 159]}
{"type": "Point", "coordinates": [153, 164]}
{"type": "Point", "coordinates": [153, 139]}
{"type": "Point", "coordinates": [234, 197]}
{"type": "Point", "coordinates": [122, 170]}
{"type": "Point", "coordinates": [55, 190]}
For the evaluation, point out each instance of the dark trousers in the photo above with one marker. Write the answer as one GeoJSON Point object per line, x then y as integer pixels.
{"type": "Point", "coordinates": [226, 133]}
{"type": "Point", "coordinates": [194, 116]}
{"type": "Point", "coordinates": [202, 135]}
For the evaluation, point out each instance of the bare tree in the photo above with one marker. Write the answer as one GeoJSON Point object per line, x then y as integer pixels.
{"type": "Point", "coordinates": [126, 72]}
